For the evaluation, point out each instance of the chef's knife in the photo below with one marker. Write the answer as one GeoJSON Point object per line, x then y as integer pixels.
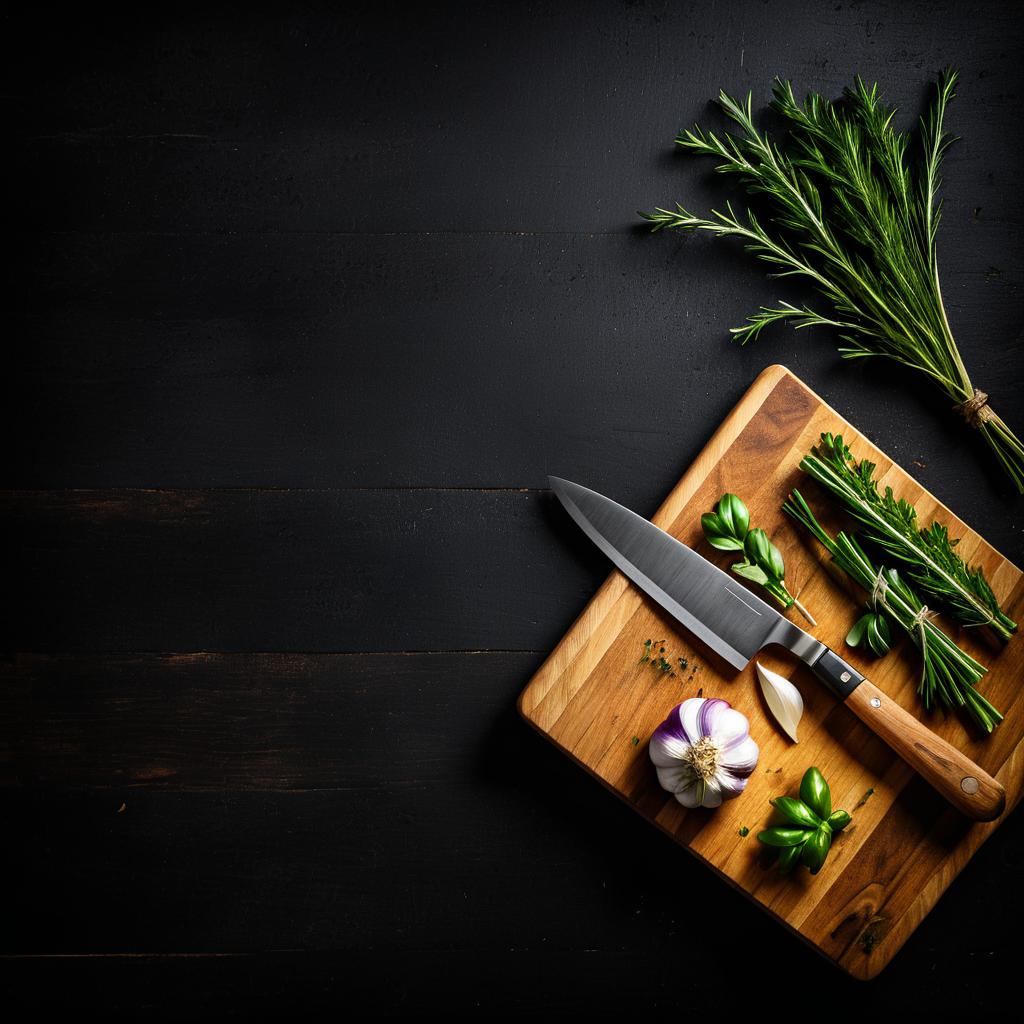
{"type": "Point", "coordinates": [736, 624]}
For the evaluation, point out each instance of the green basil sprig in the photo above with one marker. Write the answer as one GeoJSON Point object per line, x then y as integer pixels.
{"type": "Point", "coordinates": [727, 528]}
{"type": "Point", "coordinates": [810, 823]}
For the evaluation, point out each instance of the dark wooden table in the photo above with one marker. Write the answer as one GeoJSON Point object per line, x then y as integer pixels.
{"type": "Point", "coordinates": [306, 308]}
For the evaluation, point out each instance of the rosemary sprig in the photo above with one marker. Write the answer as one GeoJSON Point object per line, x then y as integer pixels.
{"type": "Point", "coordinates": [949, 675]}
{"type": "Point", "coordinates": [851, 213]}
{"type": "Point", "coordinates": [890, 523]}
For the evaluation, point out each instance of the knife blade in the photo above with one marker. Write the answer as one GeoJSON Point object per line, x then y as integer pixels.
{"type": "Point", "coordinates": [736, 624]}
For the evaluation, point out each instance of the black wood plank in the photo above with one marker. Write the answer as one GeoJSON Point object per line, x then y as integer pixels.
{"type": "Point", "coordinates": [370, 722]}
{"type": "Point", "coordinates": [485, 360]}
{"type": "Point", "coordinates": [510, 116]}
{"type": "Point", "coordinates": [961, 978]}
{"type": "Point", "coordinates": [277, 570]}
{"type": "Point", "coordinates": [298, 570]}
{"type": "Point", "coordinates": [520, 869]}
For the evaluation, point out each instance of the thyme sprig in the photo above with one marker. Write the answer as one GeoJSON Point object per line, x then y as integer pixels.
{"type": "Point", "coordinates": [949, 675]}
{"type": "Point", "coordinates": [853, 214]}
{"type": "Point", "coordinates": [891, 523]}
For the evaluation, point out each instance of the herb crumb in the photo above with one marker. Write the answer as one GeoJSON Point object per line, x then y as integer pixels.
{"type": "Point", "coordinates": [744, 831]}
{"type": "Point", "coordinates": [635, 740]}
{"type": "Point", "coordinates": [866, 797]}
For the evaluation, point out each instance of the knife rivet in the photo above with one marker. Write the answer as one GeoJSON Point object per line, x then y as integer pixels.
{"type": "Point", "coordinates": [845, 677]}
{"type": "Point", "coordinates": [970, 784]}
{"type": "Point", "coordinates": [876, 702]}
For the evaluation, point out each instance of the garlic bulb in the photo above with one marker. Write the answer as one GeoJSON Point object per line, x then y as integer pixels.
{"type": "Point", "coordinates": [703, 752]}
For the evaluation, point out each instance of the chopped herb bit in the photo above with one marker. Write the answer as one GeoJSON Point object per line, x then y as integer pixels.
{"type": "Point", "coordinates": [700, 691]}
{"type": "Point", "coordinates": [635, 740]}
{"type": "Point", "coordinates": [744, 831]}
{"type": "Point", "coordinates": [662, 650]}
{"type": "Point", "coordinates": [683, 663]}
{"type": "Point", "coordinates": [866, 797]}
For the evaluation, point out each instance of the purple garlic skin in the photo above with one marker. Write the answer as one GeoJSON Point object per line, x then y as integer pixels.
{"type": "Point", "coordinates": [703, 752]}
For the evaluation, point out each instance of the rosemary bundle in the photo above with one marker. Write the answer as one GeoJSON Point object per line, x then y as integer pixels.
{"type": "Point", "coordinates": [948, 675]}
{"type": "Point", "coordinates": [852, 213]}
{"type": "Point", "coordinates": [932, 564]}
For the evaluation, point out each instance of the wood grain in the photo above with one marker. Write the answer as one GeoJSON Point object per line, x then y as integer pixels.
{"type": "Point", "coordinates": [290, 570]}
{"type": "Point", "coordinates": [598, 704]}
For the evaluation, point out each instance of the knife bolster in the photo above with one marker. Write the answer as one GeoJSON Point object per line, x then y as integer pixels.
{"type": "Point", "coordinates": [839, 676]}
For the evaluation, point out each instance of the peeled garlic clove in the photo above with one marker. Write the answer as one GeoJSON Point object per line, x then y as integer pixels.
{"type": "Point", "coordinates": [783, 699]}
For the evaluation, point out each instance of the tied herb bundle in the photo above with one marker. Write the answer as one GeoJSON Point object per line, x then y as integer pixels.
{"type": "Point", "coordinates": [948, 674]}
{"type": "Point", "coordinates": [891, 524]}
{"type": "Point", "coordinates": [851, 212]}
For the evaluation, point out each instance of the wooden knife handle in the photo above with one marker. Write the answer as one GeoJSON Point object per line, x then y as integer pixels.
{"type": "Point", "coordinates": [965, 785]}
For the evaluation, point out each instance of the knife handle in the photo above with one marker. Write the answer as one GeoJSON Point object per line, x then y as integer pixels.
{"type": "Point", "coordinates": [963, 783]}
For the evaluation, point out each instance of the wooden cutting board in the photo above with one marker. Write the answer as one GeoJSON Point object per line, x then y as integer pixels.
{"type": "Point", "coordinates": [595, 700]}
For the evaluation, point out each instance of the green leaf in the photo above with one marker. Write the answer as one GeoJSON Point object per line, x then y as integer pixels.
{"type": "Point", "coordinates": [760, 551]}
{"type": "Point", "coordinates": [796, 812]}
{"type": "Point", "coordinates": [838, 820]}
{"type": "Point", "coordinates": [815, 793]}
{"type": "Point", "coordinates": [780, 836]}
{"type": "Point", "coordinates": [750, 572]}
{"type": "Point", "coordinates": [854, 637]}
{"type": "Point", "coordinates": [815, 850]}
{"type": "Point", "coordinates": [878, 636]}
{"type": "Point", "coordinates": [719, 534]}
{"type": "Point", "coordinates": [789, 857]}
{"type": "Point", "coordinates": [734, 514]}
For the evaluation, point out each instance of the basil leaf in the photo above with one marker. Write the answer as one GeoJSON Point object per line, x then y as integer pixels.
{"type": "Point", "coordinates": [815, 793]}
{"type": "Point", "coordinates": [750, 572]}
{"type": "Point", "coordinates": [815, 850]}
{"type": "Point", "coordinates": [780, 836]}
{"type": "Point", "coordinates": [796, 811]}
